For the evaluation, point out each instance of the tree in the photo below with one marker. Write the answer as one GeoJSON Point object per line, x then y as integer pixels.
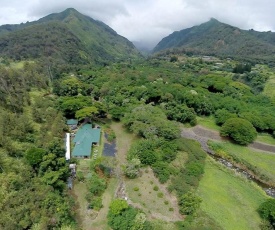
{"type": "Point", "coordinates": [86, 112]}
{"type": "Point", "coordinates": [117, 206]}
{"type": "Point", "coordinates": [189, 203]}
{"type": "Point", "coordinates": [222, 115]}
{"type": "Point", "coordinates": [69, 105]}
{"type": "Point", "coordinates": [240, 130]}
{"type": "Point", "coordinates": [34, 156]}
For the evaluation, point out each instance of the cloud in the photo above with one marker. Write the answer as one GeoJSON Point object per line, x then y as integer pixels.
{"type": "Point", "coordinates": [148, 21]}
{"type": "Point", "coordinates": [98, 9]}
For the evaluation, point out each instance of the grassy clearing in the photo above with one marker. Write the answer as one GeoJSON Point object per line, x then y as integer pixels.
{"type": "Point", "coordinates": [89, 219]}
{"type": "Point", "coordinates": [270, 86]}
{"type": "Point", "coordinates": [229, 199]}
{"type": "Point", "coordinates": [262, 160]}
{"type": "Point", "coordinates": [180, 160]}
{"type": "Point", "coordinates": [100, 222]}
{"type": "Point", "coordinates": [162, 225]}
{"type": "Point", "coordinates": [266, 138]}
{"type": "Point", "coordinates": [208, 122]}
{"type": "Point", "coordinates": [124, 140]}
{"type": "Point", "coordinates": [152, 197]}
{"type": "Point", "coordinates": [84, 216]}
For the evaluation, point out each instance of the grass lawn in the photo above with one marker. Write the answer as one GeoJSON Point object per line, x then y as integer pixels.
{"type": "Point", "coordinates": [262, 160]}
{"type": "Point", "coordinates": [266, 138]}
{"type": "Point", "coordinates": [162, 225]}
{"type": "Point", "coordinates": [208, 122]}
{"type": "Point", "coordinates": [229, 199]}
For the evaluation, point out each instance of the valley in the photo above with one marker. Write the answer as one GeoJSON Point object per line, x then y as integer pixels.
{"type": "Point", "coordinates": [181, 139]}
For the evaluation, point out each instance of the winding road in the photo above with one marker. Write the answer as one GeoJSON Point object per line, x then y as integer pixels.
{"type": "Point", "coordinates": [202, 135]}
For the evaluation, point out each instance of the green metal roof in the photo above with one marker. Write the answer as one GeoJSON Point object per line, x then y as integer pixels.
{"type": "Point", "coordinates": [84, 139]}
{"type": "Point", "coordinates": [72, 122]}
{"type": "Point", "coordinates": [82, 148]}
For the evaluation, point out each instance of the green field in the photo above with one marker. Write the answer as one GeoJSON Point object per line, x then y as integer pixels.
{"type": "Point", "coordinates": [208, 122]}
{"type": "Point", "coordinates": [266, 138]}
{"type": "Point", "coordinates": [229, 199]}
{"type": "Point", "coordinates": [264, 162]}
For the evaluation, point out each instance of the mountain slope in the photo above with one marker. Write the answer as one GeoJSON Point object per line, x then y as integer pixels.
{"type": "Point", "coordinates": [68, 36]}
{"type": "Point", "coordinates": [216, 38]}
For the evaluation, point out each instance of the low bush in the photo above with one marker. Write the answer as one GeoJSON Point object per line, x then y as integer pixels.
{"type": "Point", "coordinates": [267, 211]}
{"type": "Point", "coordinates": [160, 195]}
{"type": "Point", "coordinates": [96, 203]}
{"type": "Point", "coordinates": [156, 188]}
{"type": "Point", "coordinates": [80, 176]}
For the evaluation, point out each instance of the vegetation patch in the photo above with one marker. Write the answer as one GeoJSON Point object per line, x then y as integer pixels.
{"type": "Point", "coordinates": [149, 194]}
{"type": "Point", "coordinates": [234, 199]}
{"type": "Point", "coordinates": [261, 163]}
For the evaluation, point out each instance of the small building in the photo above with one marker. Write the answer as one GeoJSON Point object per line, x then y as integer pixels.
{"type": "Point", "coordinates": [68, 147]}
{"type": "Point", "coordinates": [84, 140]}
{"type": "Point", "coordinates": [72, 123]}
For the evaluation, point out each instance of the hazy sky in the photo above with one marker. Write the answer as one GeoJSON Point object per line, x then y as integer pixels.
{"type": "Point", "coordinates": [148, 21]}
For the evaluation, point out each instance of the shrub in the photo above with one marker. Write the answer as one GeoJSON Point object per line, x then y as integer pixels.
{"type": "Point", "coordinates": [195, 169]}
{"type": "Point", "coordinates": [166, 202]}
{"type": "Point", "coordinates": [189, 203]}
{"type": "Point", "coordinates": [132, 168]}
{"type": "Point", "coordinates": [80, 176]}
{"type": "Point", "coordinates": [240, 130]}
{"type": "Point", "coordinates": [111, 136]}
{"type": "Point", "coordinates": [160, 195]}
{"type": "Point", "coordinates": [171, 209]}
{"type": "Point", "coordinates": [96, 185]}
{"type": "Point", "coordinates": [161, 170]}
{"type": "Point", "coordinates": [136, 189]}
{"type": "Point", "coordinates": [174, 59]}
{"type": "Point", "coordinates": [156, 188]}
{"type": "Point", "coordinates": [96, 203]}
{"type": "Point", "coordinates": [267, 211]}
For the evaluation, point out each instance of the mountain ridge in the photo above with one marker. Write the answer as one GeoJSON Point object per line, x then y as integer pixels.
{"type": "Point", "coordinates": [93, 40]}
{"type": "Point", "coordinates": [220, 39]}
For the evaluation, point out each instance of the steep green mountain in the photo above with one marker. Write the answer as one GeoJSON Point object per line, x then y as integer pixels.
{"type": "Point", "coordinates": [216, 38]}
{"type": "Point", "coordinates": [67, 36]}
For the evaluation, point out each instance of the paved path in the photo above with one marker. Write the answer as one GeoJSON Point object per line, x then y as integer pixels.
{"type": "Point", "coordinates": [202, 135]}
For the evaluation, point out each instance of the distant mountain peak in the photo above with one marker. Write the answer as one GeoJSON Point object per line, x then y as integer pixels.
{"type": "Point", "coordinates": [214, 20]}
{"type": "Point", "coordinates": [220, 39]}
{"type": "Point", "coordinates": [71, 10]}
{"type": "Point", "coordinates": [68, 36]}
